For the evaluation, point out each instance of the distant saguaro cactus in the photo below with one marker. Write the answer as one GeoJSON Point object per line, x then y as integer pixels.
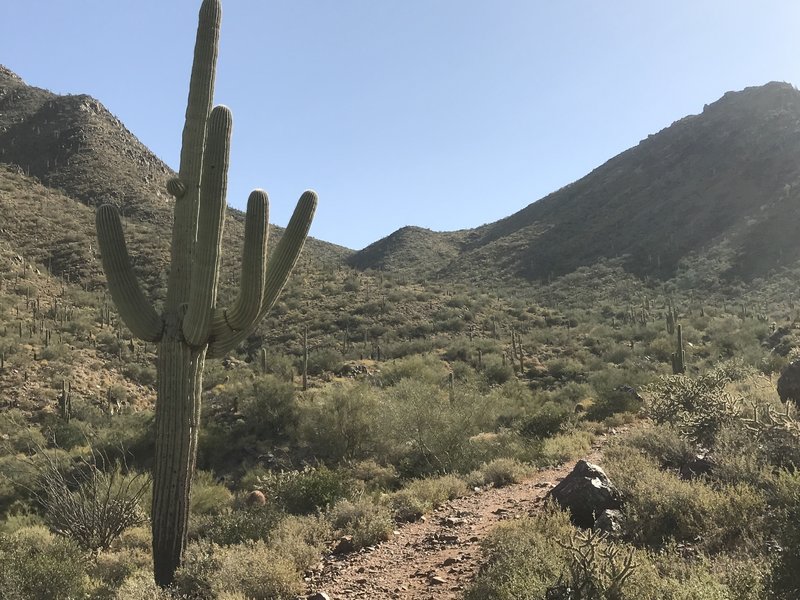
{"type": "Point", "coordinates": [679, 356]}
{"type": "Point", "coordinates": [191, 326]}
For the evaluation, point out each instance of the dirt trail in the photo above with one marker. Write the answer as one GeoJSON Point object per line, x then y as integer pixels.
{"type": "Point", "coordinates": [436, 559]}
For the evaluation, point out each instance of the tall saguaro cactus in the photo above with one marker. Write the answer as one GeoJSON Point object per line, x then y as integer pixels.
{"type": "Point", "coordinates": [191, 326]}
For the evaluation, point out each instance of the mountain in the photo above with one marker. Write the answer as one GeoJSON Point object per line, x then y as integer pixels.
{"type": "Point", "coordinates": [726, 181]}
{"type": "Point", "coordinates": [72, 148]}
{"type": "Point", "coordinates": [723, 184]}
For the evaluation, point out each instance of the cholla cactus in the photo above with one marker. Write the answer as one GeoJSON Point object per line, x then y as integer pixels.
{"type": "Point", "coordinates": [191, 326]}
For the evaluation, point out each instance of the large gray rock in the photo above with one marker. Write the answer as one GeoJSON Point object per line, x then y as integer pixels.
{"type": "Point", "coordinates": [586, 492]}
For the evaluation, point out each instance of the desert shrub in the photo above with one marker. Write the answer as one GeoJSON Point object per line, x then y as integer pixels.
{"type": "Point", "coordinates": [544, 557]}
{"type": "Point", "coordinates": [258, 572]}
{"type": "Point", "coordinates": [374, 475]}
{"type": "Point", "coordinates": [65, 435]}
{"type": "Point", "coordinates": [422, 368]}
{"type": "Point", "coordinates": [522, 558]}
{"type": "Point", "coordinates": [110, 569]}
{"type": "Point", "coordinates": [661, 507]}
{"type": "Point", "coordinates": [304, 492]}
{"type": "Point", "coordinates": [563, 447]}
{"type": "Point", "coordinates": [500, 472]}
{"type": "Point", "coordinates": [423, 495]}
{"type": "Point", "coordinates": [547, 421]}
{"type": "Point", "coordinates": [566, 369]}
{"type": "Point", "coordinates": [431, 430]}
{"type": "Point", "coordinates": [664, 443]}
{"type": "Point", "coordinates": [268, 406]}
{"type": "Point", "coordinates": [90, 505]}
{"type": "Point", "coordinates": [784, 496]}
{"type": "Point", "coordinates": [343, 422]}
{"type": "Point", "coordinates": [208, 497]}
{"type": "Point", "coordinates": [252, 523]}
{"type": "Point", "coordinates": [17, 437]}
{"type": "Point", "coordinates": [141, 586]}
{"type": "Point", "coordinates": [495, 372]}
{"type": "Point", "coordinates": [252, 570]}
{"type": "Point", "coordinates": [278, 364]}
{"type": "Point", "coordinates": [195, 577]}
{"type": "Point", "coordinates": [141, 374]}
{"type": "Point", "coordinates": [36, 564]}
{"type": "Point", "coordinates": [323, 360]}
{"type": "Point", "coordinates": [368, 523]}
{"type": "Point", "coordinates": [301, 539]}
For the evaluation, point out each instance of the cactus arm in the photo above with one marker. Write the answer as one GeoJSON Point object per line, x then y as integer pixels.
{"type": "Point", "coordinates": [205, 260]}
{"type": "Point", "coordinates": [135, 310]}
{"type": "Point", "coordinates": [244, 312]}
{"type": "Point", "coordinates": [279, 268]}
{"type": "Point", "coordinates": [186, 189]}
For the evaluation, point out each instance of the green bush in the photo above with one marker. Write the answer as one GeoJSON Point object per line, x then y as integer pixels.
{"type": "Point", "coordinates": [546, 422]}
{"type": "Point", "coordinates": [661, 507]}
{"type": "Point", "coordinates": [423, 495]}
{"type": "Point", "coordinates": [268, 406]}
{"type": "Point", "coordinates": [36, 564]}
{"type": "Point", "coordinates": [522, 559]}
{"type": "Point", "coordinates": [209, 497]}
{"type": "Point", "coordinates": [237, 526]}
{"type": "Point", "coordinates": [304, 492]}
{"type": "Point", "coordinates": [251, 570]}
{"type": "Point", "coordinates": [500, 472]}
{"type": "Point", "coordinates": [368, 523]}
{"type": "Point", "coordinates": [344, 422]}
{"type": "Point", "coordinates": [301, 539]}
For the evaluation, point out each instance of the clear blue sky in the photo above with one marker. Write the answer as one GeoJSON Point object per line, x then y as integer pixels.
{"type": "Point", "coordinates": [445, 114]}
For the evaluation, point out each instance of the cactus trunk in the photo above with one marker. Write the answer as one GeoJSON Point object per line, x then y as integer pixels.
{"type": "Point", "coordinates": [180, 373]}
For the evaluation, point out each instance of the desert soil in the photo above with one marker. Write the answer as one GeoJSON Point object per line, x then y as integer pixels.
{"type": "Point", "coordinates": [438, 557]}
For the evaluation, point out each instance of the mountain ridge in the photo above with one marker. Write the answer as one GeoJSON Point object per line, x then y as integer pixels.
{"type": "Point", "coordinates": [726, 176]}
{"type": "Point", "coordinates": [679, 191]}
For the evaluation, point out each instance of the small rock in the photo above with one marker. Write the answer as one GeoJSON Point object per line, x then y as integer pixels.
{"type": "Point", "coordinates": [318, 596]}
{"type": "Point", "coordinates": [437, 580]}
{"type": "Point", "coordinates": [345, 545]}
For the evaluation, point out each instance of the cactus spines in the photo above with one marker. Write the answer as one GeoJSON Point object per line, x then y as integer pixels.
{"type": "Point", "coordinates": [679, 356]}
{"type": "Point", "coordinates": [191, 326]}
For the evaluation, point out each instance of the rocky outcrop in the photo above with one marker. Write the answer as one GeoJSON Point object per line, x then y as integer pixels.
{"type": "Point", "coordinates": [586, 492]}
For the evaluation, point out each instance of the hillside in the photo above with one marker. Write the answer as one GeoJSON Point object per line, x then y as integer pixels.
{"type": "Point", "coordinates": [73, 147]}
{"type": "Point", "coordinates": [726, 178]}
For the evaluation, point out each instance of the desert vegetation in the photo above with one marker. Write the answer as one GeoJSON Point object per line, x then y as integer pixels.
{"type": "Point", "coordinates": [331, 408]}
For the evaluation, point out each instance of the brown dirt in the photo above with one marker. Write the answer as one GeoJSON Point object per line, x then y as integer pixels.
{"type": "Point", "coordinates": [437, 558]}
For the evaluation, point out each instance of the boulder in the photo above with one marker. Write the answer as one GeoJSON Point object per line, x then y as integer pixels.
{"type": "Point", "coordinates": [789, 383]}
{"type": "Point", "coordinates": [586, 492]}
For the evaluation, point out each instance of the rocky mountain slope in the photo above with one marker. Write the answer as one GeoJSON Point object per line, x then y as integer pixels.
{"type": "Point", "coordinates": [725, 181]}
{"type": "Point", "coordinates": [73, 147]}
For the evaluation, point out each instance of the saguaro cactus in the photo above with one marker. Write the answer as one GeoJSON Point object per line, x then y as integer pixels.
{"type": "Point", "coordinates": [679, 356]}
{"type": "Point", "coordinates": [191, 326]}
